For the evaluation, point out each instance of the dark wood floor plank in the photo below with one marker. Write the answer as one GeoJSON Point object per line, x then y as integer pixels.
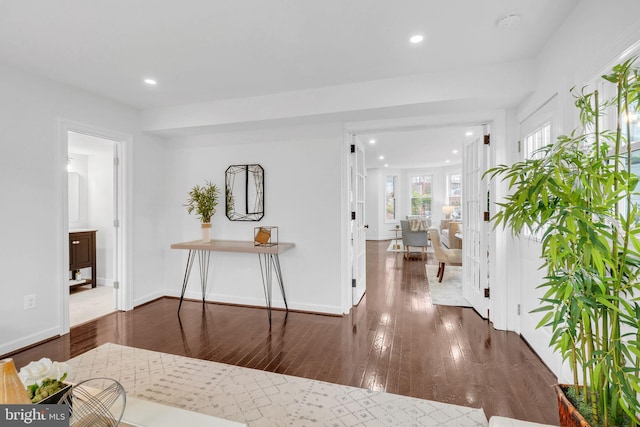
{"type": "Point", "coordinates": [395, 340]}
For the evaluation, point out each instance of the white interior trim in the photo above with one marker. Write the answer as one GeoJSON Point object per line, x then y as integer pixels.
{"type": "Point", "coordinates": [125, 265]}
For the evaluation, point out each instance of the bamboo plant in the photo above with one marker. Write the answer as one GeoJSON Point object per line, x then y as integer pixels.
{"type": "Point", "coordinates": [203, 200]}
{"type": "Point", "coordinates": [576, 193]}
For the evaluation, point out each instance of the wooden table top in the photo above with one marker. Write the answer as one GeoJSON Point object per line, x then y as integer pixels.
{"type": "Point", "coordinates": [233, 246]}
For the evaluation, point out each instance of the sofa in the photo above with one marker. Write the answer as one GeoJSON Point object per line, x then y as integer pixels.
{"type": "Point", "coordinates": [448, 229]}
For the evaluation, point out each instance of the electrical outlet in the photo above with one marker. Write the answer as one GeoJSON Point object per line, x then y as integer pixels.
{"type": "Point", "coordinates": [29, 302]}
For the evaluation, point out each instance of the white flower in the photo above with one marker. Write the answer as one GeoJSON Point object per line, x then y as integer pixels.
{"type": "Point", "coordinates": [35, 372]}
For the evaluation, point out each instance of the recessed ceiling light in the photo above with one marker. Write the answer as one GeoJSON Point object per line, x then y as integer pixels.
{"type": "Point", "coordinates": [150, 82]}
{"type": "Point", "coordinates": [372, 141]}
{"type": "Point", "coordinates": [381, 157]}
{"type": "Point", "coordinates": [447, 161]}
{"type": "Point", "coordinates": [416, 38]}
{"type": "Point", "coordinates": [469, 133]}
{"type": "Point", "coordinates": [386, 165]}
{"type": "Point", "coordinates": [455, 151]}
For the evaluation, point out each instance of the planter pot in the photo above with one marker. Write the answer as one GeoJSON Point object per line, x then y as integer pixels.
{"type": "Point", "coordinates": [569, 415]}
{"type": "Point", "coordinates": [206, 232]}
{"type": "Point", "coordinates": [55, 397]}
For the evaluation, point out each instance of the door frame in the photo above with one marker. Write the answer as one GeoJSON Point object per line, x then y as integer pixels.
{"type": "Point", "coordinates": [122, 259]}
{"type": "Point", "coordinates": [357, 188]}
{"type": "Point", "coordinates": [501, 304]}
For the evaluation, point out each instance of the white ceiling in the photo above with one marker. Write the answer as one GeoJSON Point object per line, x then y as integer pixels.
{"type": "Point", "coordinates": [205, 50]}
{"type": "Point", "coordinates": [423, 148]}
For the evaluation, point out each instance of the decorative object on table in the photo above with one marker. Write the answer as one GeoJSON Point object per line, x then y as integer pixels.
{"type": "Point", "coordinates": [396, 229]}
{"type": "Point", "coordinates": [265, 236]}
{"type": "Point", "coordinates": [447, 211]}
{"type": "Point", "coordinates": [203, 201]}
{"type": "Point", "coordinates": [96, 402]}
{"type": "Point", "coordinates": [12, 389]}
{"type": "Point", "coordinates": [244, 190]}
{"type": "Point", "coordinates": [578, 195]}
{"type": "Point", "coordinates": [43, 380]}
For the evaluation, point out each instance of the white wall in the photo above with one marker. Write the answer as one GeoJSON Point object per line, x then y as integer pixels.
{"type": "Point", "coordinates": [302, 197]}
{"type": "Point", "coordinates": [374, 204]}
{"type": "Point", "coordinates": [32, 172]}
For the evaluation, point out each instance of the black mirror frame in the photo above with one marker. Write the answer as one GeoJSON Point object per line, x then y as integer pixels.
{"type": "Point", "coordinates": [257, 212]}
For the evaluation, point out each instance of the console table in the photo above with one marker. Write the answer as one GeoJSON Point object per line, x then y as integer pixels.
{"type": "Point", "coordinates": [268, 257]}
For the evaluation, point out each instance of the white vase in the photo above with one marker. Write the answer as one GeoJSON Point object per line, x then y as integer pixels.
{"type": "Point", "coordinates": [206, 232]}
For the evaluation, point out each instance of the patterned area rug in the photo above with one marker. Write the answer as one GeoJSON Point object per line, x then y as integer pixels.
{"type": "Point", "coordinates": [260, 398]}
{"type": "Point", "coordinates": [449, 291]}
{"type": "Point", "coordinates": [411, 249]}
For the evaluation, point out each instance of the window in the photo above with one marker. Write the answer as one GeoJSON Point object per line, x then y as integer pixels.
{"type": "Point", "coordinates": [421, 190]}
{"type": "Point", "coordinates": [537, 139]}
{"type": "Point", "coordinates": [635, 170]}
{"type": "Point", "coordinates": [454, 190]}
{"type": "Point", "coordinates": [634, 124]}
{"type": "Point", "coordinates": [390, 189]}
{"type": "Point", "coordinates": [533, 141]}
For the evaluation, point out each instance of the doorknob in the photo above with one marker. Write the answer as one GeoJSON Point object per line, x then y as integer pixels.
{"type": "Point", "coordinates": [366, 226]}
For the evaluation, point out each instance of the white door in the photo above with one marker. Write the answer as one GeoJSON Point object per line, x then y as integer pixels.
{"type": "Point", "coordinates": [475, 246]}
{"type": "Point", "coordinates": [358, 240]}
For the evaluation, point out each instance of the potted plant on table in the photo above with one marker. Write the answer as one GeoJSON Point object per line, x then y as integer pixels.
{"type": "Point", "coordinates": [44, 380]}
{"type": "Point", "coordinates": [203, 200]}
{"type": "Point", "coordinates": [579, 194]}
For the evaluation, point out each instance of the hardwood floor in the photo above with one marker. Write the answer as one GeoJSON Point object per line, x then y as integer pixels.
{"type": "Point", "coordinates": [395, 340]}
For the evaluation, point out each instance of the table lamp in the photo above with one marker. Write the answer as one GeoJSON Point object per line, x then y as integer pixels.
{"type": "Point", "coordinates": [447, 210]}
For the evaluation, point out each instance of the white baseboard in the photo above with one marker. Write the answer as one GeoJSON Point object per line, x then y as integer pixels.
{"type": "Point", "coordinates": [30, 340]}
{"type": "Point", "coordinates": [149, 297]}
{"type": "Point", "coordinates": [258, 302]}
{"type": "Point", "coordinates": [101, 281]}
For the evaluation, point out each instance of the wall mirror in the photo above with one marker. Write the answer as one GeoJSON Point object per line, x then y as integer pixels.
{"type": "Point", "coordinates": [244, 192]}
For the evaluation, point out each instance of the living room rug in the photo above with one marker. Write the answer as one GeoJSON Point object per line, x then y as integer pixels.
{"type": "Point", "coordinates": [260, 398]}
{"type": "Point", "coordinates": [412, 249]}
{"type": "Point", "coordinates": [449, 291]}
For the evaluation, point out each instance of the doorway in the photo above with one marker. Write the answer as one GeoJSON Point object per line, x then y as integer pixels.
{"type": "Point", "coordinates": [109, 217]}
{"type": "Point", "coordinates": [92, 196]}
{"type": "Point", "coordinates": [432, 152]}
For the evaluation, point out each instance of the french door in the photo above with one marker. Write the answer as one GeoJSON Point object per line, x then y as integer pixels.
{"type": "Point", "coordinates": [475, 246]}
{"type": "Point", "coordinates": [358, 235]}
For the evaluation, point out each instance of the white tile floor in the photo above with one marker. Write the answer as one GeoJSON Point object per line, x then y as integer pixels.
{"type": "Point", "coordinates": [86, 303]}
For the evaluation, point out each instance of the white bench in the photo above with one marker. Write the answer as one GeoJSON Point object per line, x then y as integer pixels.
{"type": "Point", "coordinates": [510, 422]}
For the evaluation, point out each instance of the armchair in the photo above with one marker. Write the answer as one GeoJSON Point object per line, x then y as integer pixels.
{"type": "Point", "coordinates": [443, 254]}
{"type": "Point", "coordinates": [418, 238]}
